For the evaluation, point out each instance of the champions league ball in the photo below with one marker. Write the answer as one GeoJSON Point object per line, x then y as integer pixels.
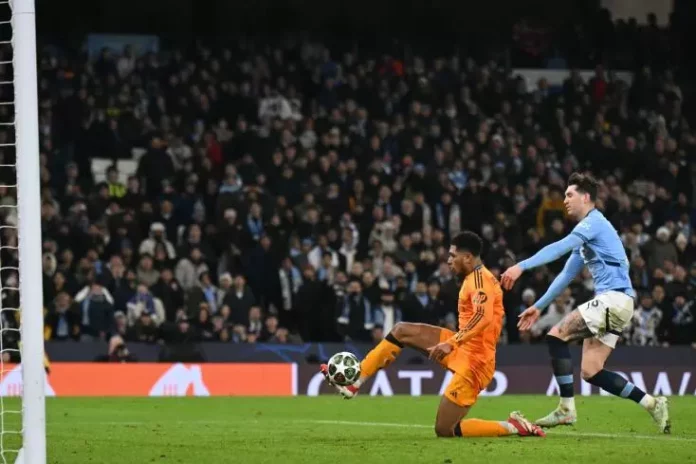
{"type": "Point", "coordinates": [344, 369]}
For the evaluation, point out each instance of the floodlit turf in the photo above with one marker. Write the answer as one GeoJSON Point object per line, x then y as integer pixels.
{"type": "Point", "coordinates": [363, 430]}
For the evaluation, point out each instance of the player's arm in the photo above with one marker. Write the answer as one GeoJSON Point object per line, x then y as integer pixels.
{"type": "Point", "coordinates": [571, 269]}
{"type": "Point", "coordinates": [482, 301]}
{"type": "Point", "coordinates": [552, 252]}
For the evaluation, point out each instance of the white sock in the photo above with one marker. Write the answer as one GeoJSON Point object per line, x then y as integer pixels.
{"type": "Point", "coordinates": [648, 402]}
{"type": "Point", "coordinates": [568, 403]}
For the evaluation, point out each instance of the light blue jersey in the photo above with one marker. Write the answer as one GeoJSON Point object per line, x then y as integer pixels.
{"type": "Point", "coordinates": [594, 243]}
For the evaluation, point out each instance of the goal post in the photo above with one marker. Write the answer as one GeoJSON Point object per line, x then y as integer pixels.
{"type": "Point", "coordinates": [33, 449]}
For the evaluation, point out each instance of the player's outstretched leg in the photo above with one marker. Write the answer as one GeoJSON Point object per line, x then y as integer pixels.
{"type": "Point", "coordinates": [595, 352]}
{"type": "Point", "coordinates": [418, 336]}
{"type": "Point", "coordinates": [516, 424]}
{"type": "Point", "coordinates": [570, 328]}
{"type": "Point", "coordinates": [594, 355]}
{"type": "Point", "coordinates": [450, 422]}
{"type": "Point", "coordinates": [562, 366]}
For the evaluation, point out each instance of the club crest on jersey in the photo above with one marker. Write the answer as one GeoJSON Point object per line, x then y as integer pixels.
{"type": "Point", "coordinates": [480, 298]}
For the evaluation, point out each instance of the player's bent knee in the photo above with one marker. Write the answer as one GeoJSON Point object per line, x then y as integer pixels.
{"type": "Point", "coordinates": [405, 331]}
{"type": "Point", "coordinates": [400, 330]}
{"type": "Point", "coordinates": [587, 374]}
{"type": "Point", "coordinates": [590, 369]}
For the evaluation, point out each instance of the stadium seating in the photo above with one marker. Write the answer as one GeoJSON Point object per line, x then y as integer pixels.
{"type": "Point", "coordinates": [271, 198]}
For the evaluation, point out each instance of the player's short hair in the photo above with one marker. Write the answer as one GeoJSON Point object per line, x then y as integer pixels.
{"type": "Point", "coordinates": [468, 241]}
{"type": "Point", "coordinates": [584, 182]}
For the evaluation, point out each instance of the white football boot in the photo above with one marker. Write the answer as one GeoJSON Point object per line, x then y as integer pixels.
{"type": "Point", "coordinates": [560, 416]}
{"type": "Point", "coordinates": [660, 414]}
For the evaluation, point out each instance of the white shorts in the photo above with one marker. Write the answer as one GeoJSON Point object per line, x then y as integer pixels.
{"type": "Point", "coordinates": [607, 315]}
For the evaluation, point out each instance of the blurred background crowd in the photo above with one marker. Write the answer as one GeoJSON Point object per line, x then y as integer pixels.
{"type": "Point", "coordinates": [301, 190]}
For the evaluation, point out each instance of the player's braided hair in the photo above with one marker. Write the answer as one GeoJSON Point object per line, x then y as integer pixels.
{"type": "Point", "coordinates": [584, 182]}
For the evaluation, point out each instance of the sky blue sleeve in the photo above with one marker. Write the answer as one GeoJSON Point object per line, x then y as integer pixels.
{"type": "Point", "coordinates": [552, 252]}
{"type": "Point", "coordinates": [571, 269]}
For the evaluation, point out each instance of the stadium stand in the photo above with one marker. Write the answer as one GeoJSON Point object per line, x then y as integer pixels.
{"type": "Point", "coordinates": [278, 192]}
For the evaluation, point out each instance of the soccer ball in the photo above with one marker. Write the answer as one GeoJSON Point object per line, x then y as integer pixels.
{"type": "Point", "coordinates": [344, 369]}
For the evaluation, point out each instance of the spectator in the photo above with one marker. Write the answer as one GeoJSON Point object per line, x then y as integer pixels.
{"type": "Point", "coordinates": [118, 352]}
{"type": "Point", "coordinates": [190, 268]}
{"type": "Point", "coordinates": [96, 311]}
{"type": "Point", "coordinates": [194, 239]}
{"type": "Point", "coordinates": [551, 208]}
{"type": "Point", "coordinates": [146, 273]}
{"type": "Point", "coordinates": [681, 329]}
{"type": "Point", "coordinates": [204, 324]}
{"type": "Point", "coordinates": [662, 249]}
{"type": "Point", "coordinates": [144, 302]}
{"type": "Point", "coordinates": [204, 292]}
{"type": "Point", "coordinates": [387, 314]}
{"type": "Point", "coordinates": [255, 326]}
{"type": "Point", "coordinates": [116, 189]}
{"type": "Point", "coordinates": [269, 332]}
{"type": "Point", "coordinates": [183, 332]}
{"type": "Point", "coordinates": [290, 283]}
{"type": "Point", "coordinates": [418, 307]}
{"type": "Point", "coordinates": [310, 304]}
{"type": "Point", "coordinates": [157, 235]}
{"type": "Point", "coordinates": [62, 320]}
{"type": "Point", "coordinates": [155, 166]}
{"type": "Point", "coordinates": [239, 300]}
{"type": "Point", "coordinates": [169, 292]}
{"type": "Point", "coordinates": [224, 286]}
{"type": "Point", "coordinates": [145, 329]}
{"type": "Point", "coordinates": [121, 327]}
{"type": "Point", "coordinates": [239, 334]}
{"type": "Point", "coordinates": [647, 324]}
{"type": "Point", "coordinates": [356, 319]}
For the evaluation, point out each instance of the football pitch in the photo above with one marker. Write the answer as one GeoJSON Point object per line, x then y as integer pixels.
{"type": "Point", "coordinates": [329, 429]}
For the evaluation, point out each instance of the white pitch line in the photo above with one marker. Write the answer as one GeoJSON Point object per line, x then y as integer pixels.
{"type": "Point", "coordinates": [571, 434]}
{"type": "Point", "coordinates": [364, 424]}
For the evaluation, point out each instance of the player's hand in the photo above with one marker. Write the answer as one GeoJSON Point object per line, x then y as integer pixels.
{"type": "Point", "coordinates": [528, 317]}
{"type": "Point", "coordinates": [439, 351]}
{"type": "Point", "coordinates": [509, 277]}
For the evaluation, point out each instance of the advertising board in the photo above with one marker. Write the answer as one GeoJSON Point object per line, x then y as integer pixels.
{"type": "Point", "coordinates": [289, 379]}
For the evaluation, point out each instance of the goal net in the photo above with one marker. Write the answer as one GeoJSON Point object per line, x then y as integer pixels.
{"type": "Point", "coordinates": [22, 376]}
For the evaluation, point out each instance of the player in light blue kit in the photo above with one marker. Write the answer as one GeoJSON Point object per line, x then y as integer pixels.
{"type": "Point", "coordinates": [599, 322]}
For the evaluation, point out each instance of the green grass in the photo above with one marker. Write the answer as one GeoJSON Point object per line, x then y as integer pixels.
{"type": "Point", "coordinates": [307, 430]}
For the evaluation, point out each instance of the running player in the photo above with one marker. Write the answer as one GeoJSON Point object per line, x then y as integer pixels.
{"type": "Point", "coordinates": [469, 353]}
{"type": "Point", "coordinates": [599, 322]}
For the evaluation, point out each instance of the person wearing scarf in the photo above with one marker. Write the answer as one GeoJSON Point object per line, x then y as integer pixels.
{"type": "Point", "coordinates": [210, 292]}
{"type": "Point", "coordinates": [255, 226]}
{"type": "Point", "coordinates": [142, 302]}
{"type": "Point", "coordinates": [290, 283]}
{"type": "Point", "coordinates": [356, 319]}
{"type": "Point", "coordinates": [387, 315]}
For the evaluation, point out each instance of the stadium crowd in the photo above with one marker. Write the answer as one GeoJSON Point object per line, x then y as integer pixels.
{"type": "Point", "coordinates": [298, 194]}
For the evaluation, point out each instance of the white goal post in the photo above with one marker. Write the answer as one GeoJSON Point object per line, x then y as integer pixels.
{"type": "Point", "coordinates": [33, 449]}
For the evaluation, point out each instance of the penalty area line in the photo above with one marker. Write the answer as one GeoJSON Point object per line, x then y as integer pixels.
{"type": "Point", "coordinates": [550, 433]}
